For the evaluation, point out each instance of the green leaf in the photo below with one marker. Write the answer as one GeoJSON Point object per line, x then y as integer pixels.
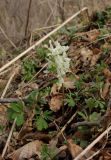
{"type": "Point", "coordinates": [16, 111]}
{"type": "Point", "coordinates": [33, 96]}
{"type": "Point", "coordinates": [94, 116]}
{"type": "Point", "coordinates": [83, 143]}
{"type": "Point", "coordinates": [83, 115]}
{"type": "Point", "coordinates": [90, 103]}
{"type": "Point", "coordinates": [42, 53]}
{"type": "Point", "coordinates": [41, 123]}
{"type": "Point", "coordinates": [17, 107]}
{"type": "Point", "coordinates": [70, 102]}
{"type": "Point", "coordinates": [20, 119]}
{"type": "Point", "coordinates": [47, 115]}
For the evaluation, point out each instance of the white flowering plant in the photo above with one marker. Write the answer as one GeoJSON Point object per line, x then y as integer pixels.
{"type": "Point", "coordinates": [58, 60]}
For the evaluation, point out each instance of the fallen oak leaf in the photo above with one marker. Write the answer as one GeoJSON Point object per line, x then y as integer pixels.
{"type": "Point", "coordinates": [56, 102]}
{"type": "Point", "coordinates": [27, 151]}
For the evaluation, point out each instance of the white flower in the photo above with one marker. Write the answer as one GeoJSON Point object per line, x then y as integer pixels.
{"type": "Point", "coordinates": [57, 58]}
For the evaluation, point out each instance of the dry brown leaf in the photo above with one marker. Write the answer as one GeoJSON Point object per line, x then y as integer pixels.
{"type": "Point", "coordinates": [68, 83]}
{"type": "Point", "coordinates": [106, 89]}
{"type": "Point", "coordinates": [27, 151]}
{"type": "Point", "coordinates": [56, 103]}
{"type": "Point", "coordinates": [55, 89]}
{"type": "Point", "coordinates": [86, 55]}
{"type": "Point", "coordinates": [33, 86]}
{"type": "Point", "coordinates": [96, 55]}
{"type": "Point", "coordinates": [107, 73]}
{"type": "Point", "coordinates": [93, 34]}
{"type": "Point", "coordinates": [73, 148]}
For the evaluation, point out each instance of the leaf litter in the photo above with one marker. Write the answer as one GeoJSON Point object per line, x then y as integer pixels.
{"type": "Point", "coordinates": [52, 100]}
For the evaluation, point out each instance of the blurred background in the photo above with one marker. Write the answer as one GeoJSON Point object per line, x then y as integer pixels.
{"type": "Point", "coordinates": [19, 18]}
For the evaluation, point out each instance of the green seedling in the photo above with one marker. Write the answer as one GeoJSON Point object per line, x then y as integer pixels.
{"type": "Point", "coordinates": [28, 69]}
{"type": "Point", "coordinates": [47, 153]}
{"type": "Point", "coordinates": [42, 118]}
{"type": "Point", "coordinates": [70, 101]}
{"type": "Point", "coordinates": [42, 53]}
{"type": "Point", "coordinates": [16, 111]}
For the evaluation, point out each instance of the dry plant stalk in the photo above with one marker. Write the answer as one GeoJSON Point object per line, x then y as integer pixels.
{"type": "Point", "coordinates": [41, 40]}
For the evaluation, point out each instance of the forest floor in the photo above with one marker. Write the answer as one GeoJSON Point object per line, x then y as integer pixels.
{"type": "Point", "coordinates": [56, 101]}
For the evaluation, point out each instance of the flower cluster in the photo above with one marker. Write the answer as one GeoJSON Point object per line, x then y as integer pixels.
{"type": "Point", "coordinates": [58, 60]}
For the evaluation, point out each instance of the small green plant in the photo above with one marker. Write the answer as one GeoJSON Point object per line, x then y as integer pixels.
{"type": "Point", "coordinates": [16, 110]}
{"type": "Point", "coordinates": [33, 97]}
{"type": "Point", "coordinates": [92, 103]}
{"type": "Point", "coordinates": [70, 100]}
{"type": "Point", "coordinates": [42, 53]}
{"type": "Point", "coordinates": [47, 153]}
{"type": "Point", "coordinates": [70, 31]}
{"type": "Point", "coordinates": [42, 118]}
{"type": "Point", "coordinates": [84, 115]}
{"type": "Point", "coordinates": [94, 117]}
{"type": "Point", "coordinates": [83, 143]}
{"type": "Point", "coordinates": [28, 69]}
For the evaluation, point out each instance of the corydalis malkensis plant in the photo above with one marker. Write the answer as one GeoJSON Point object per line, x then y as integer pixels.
{"type": "Point", "coordinates": [58, 60]}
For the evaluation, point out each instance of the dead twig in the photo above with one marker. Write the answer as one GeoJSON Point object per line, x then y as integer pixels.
{"type": "Point", "coordinates": [41, 40]}
{"type": "Point", "coordinates": [8, 140]}
{"type": "Point", "coordinates": [68, 122]}
{"type": "Point", "coordinates": [11, 100]}
{"type": "Point", "coordinates": [85, 123]}
{"type": "Point", "coordinates": [7, 86]}
{"type": "Point", "coordinates": [3, 94]}
{"type": "Point", "coordinates": [28, 16]}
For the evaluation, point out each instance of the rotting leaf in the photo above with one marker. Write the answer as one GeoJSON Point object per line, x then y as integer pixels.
{"type": "Point", "coordinates": [56, 102]}
{"type": "Point", "coordinates": [27, 151]}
